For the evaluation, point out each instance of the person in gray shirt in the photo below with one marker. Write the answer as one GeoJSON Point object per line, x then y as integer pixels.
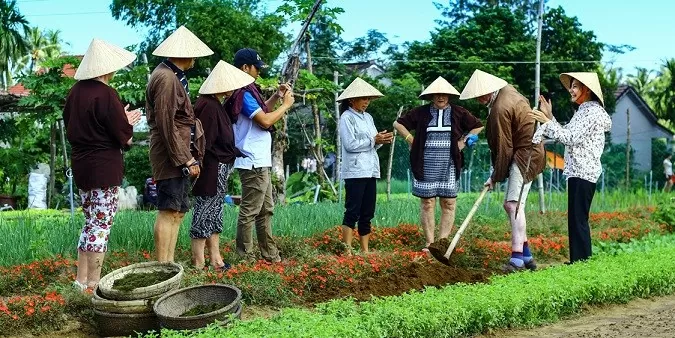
{"type": "Point", "coordinates": [360, 164]}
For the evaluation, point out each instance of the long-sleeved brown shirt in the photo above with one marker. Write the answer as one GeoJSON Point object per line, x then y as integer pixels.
{"type": "Point", "coordinates": [509, 130]}
{"type": "Point", "coordinates": [170, 118]}
{"type": "Point", "coordinates": [98, 130]}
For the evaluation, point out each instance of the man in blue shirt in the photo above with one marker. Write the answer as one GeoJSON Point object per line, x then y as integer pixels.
{"type": "Point", "coordinates": [253, 121]}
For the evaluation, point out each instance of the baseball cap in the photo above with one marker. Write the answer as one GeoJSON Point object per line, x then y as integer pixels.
{"type": "Point", "coordinates": [248, 56]}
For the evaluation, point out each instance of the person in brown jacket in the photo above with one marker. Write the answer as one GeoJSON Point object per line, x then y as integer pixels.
{"type": "Point", "coordinates": [210, 188]}
{"type": "Point", "coordinates": [442, 130]}
{"type": "Point", "coordinates": [509, 131]}
{"type": "Point", "coordinates": [176, 137]}
{"type": "Point", "coordinates": [98, 127]}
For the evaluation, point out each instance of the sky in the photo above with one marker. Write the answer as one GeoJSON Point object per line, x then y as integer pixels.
{"type": "Point", "coordinates": [647, 25]}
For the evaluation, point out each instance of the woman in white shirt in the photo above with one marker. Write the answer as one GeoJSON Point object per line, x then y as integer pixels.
{"type": "Point", "coordinates": [360, 164]}
{"type": "Point", "coordinates": [584, 140]}
{"type": "Point", "coordinates": [668, 170]}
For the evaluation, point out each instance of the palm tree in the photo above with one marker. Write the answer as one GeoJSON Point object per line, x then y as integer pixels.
{"type": "Point", "coordinates": [610, 78]}
{"type": "Point", "coordinates": [13, 29]}
{"type": "Point", "coordinates": [55, 45]}
{"type": "Point", "coordinates": [42, 45]}
{"type": "Point", "coordinates": [665, 93]}
{"type": "Point", "coordinates": [641, 81]}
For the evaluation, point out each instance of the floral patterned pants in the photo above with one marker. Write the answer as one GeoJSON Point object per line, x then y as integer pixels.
{"type": "Point", "coordinates": [99, 207]}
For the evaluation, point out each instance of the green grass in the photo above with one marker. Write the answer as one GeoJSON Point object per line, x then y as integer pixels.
{"type": "Point", "coordinates": [516, 300]}
{"type": "Point", "coordinates": [25, 237]}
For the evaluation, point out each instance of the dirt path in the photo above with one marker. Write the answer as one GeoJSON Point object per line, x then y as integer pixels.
{"type": "Point", "coordinates": [639, 318]}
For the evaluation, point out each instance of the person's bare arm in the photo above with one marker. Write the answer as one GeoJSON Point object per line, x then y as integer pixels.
{"type": "Point", "coordinates": [267, 120]}
{"type": "Point", "coordinates": [404, 132]}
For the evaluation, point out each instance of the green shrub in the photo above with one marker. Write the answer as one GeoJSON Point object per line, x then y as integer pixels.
{"type": "Point", "coordinates": [517, 300]}
{"type": "Point", "coordinates": [665, 214]}
{"type": "Point", "coordinates": [137, 166]}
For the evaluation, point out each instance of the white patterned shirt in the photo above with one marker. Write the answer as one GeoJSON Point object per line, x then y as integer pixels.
{"type": "Point", "coordinates": [584, 140]}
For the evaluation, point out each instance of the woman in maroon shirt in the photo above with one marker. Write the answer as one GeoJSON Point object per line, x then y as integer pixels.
{"type": "Point", "coordinates": [98, 128]}
{"type": "Point", "coordinates": [211, 185]}
{"type": "Point", "coordinates": [442, 130]}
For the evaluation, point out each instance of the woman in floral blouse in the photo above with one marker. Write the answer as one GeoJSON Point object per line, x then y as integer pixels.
{"type": "Point", "coordinates": [584, 140]}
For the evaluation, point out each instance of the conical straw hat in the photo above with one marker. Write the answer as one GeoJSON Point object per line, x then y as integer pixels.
{"type": "Point", "coordinates": [224, 78]}
{"type": "Point", "coordinates": [103, 58]}
{"type": "Point", "coordinates": [589, 79]}
{"type": "Point", "coordinates": [439, 86]}
{"type": "Point", "coordinates": [182, 44]}
{"type": "Point", "coordinates": [481, 83]}
{"type": "Point", "coordinates": [359, 88]}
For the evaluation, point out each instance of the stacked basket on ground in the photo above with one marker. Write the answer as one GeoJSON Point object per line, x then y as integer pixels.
{"type": "Point", "coordinates": [124, 313]}
{"type": "Point", "coordinates": [224, 302]}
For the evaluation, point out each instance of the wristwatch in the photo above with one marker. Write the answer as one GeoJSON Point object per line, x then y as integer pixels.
{"type": "Point", "coordinates": [186, 169]}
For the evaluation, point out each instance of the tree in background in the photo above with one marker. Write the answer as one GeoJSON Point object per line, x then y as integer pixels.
{"type": "Point", "coordinates": [43, 108]}
{"type": "Point", "coordinates": [492, 34]}
{"type": "Point", "coordinates": [13, 45]}
{"type": "Point", "coordinates": [641, 81]}
{"type": "Point", "coordinates": [501, 35]}
{"type": "Point", "coordinates": [664, 94]}
{"type": "Point", "coordinates": [458, 12]}
{"type": "Point", "coordinates": [42, 45]}
{"type": "Point", "coordinates": [224, 25]}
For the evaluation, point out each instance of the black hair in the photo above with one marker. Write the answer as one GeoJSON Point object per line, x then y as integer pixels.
{"type": "Point", "coordinates": [344, 105]}
{"type": "Point", "coordinates": [592, 98]}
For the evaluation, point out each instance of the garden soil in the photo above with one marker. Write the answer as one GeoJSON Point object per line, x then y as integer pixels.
{"type": "Point", "coordinates": [419, 275]}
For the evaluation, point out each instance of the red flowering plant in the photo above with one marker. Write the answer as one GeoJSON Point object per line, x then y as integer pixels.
{"type": "Point", "coordinates": [37, 312]}
{"type": "Point", "coordinates": [35, 276]}
{"type": "Point", "coordinates": [401, 237]}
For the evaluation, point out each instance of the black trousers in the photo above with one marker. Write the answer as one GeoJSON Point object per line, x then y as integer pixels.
{"type": "Point", "coordinates": [360, 197]}
{"type": "Point", "coordinates": [579, 197]}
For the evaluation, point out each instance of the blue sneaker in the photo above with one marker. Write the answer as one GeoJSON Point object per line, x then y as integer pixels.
{"type": "Point", "coordinates": [510, 267]}
{"type": "Point", "coordinates": [531, 265]}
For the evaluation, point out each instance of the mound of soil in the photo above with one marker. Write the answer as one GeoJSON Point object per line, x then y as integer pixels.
{"type": "Point", "coordinates": [438, 249]}
{"type": "Point", "coordinates": [418, 276]}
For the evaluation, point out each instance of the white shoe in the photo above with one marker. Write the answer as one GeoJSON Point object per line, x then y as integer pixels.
{"type": "Point", "coordinates": [78, 285]}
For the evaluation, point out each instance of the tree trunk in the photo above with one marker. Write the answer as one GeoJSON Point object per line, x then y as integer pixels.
{"type": "Point", "coordinates": [628, 180]}
{"type": "Point", "coordinates": [279, 148]}
{"type": "Point", "coordinates": [310, 67]}
{"type": "Point", "coordinates": [316, 146]}
{"type": "Point", "coordinates": [52, 164]}
{"type": "Point", "coordinates": [391, 157]}
{"type": "Point", "coordinates": [338, 143]}
{"type": "Point", "coordinates": [317, 149]}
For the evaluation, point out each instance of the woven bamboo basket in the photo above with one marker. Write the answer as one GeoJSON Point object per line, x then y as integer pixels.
{"type": "Point", "coordinates": [172, 305]}
{"type": "Point", "coordinates": [106, 283]}
{"type": "Point", "coordinates": [122, 306]}
{"type": "Point", "coordinates": [125, 324]}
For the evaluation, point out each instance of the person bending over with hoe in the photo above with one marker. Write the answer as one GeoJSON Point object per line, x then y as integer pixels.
{"type": "Point", "coordinates": [509, 131]}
